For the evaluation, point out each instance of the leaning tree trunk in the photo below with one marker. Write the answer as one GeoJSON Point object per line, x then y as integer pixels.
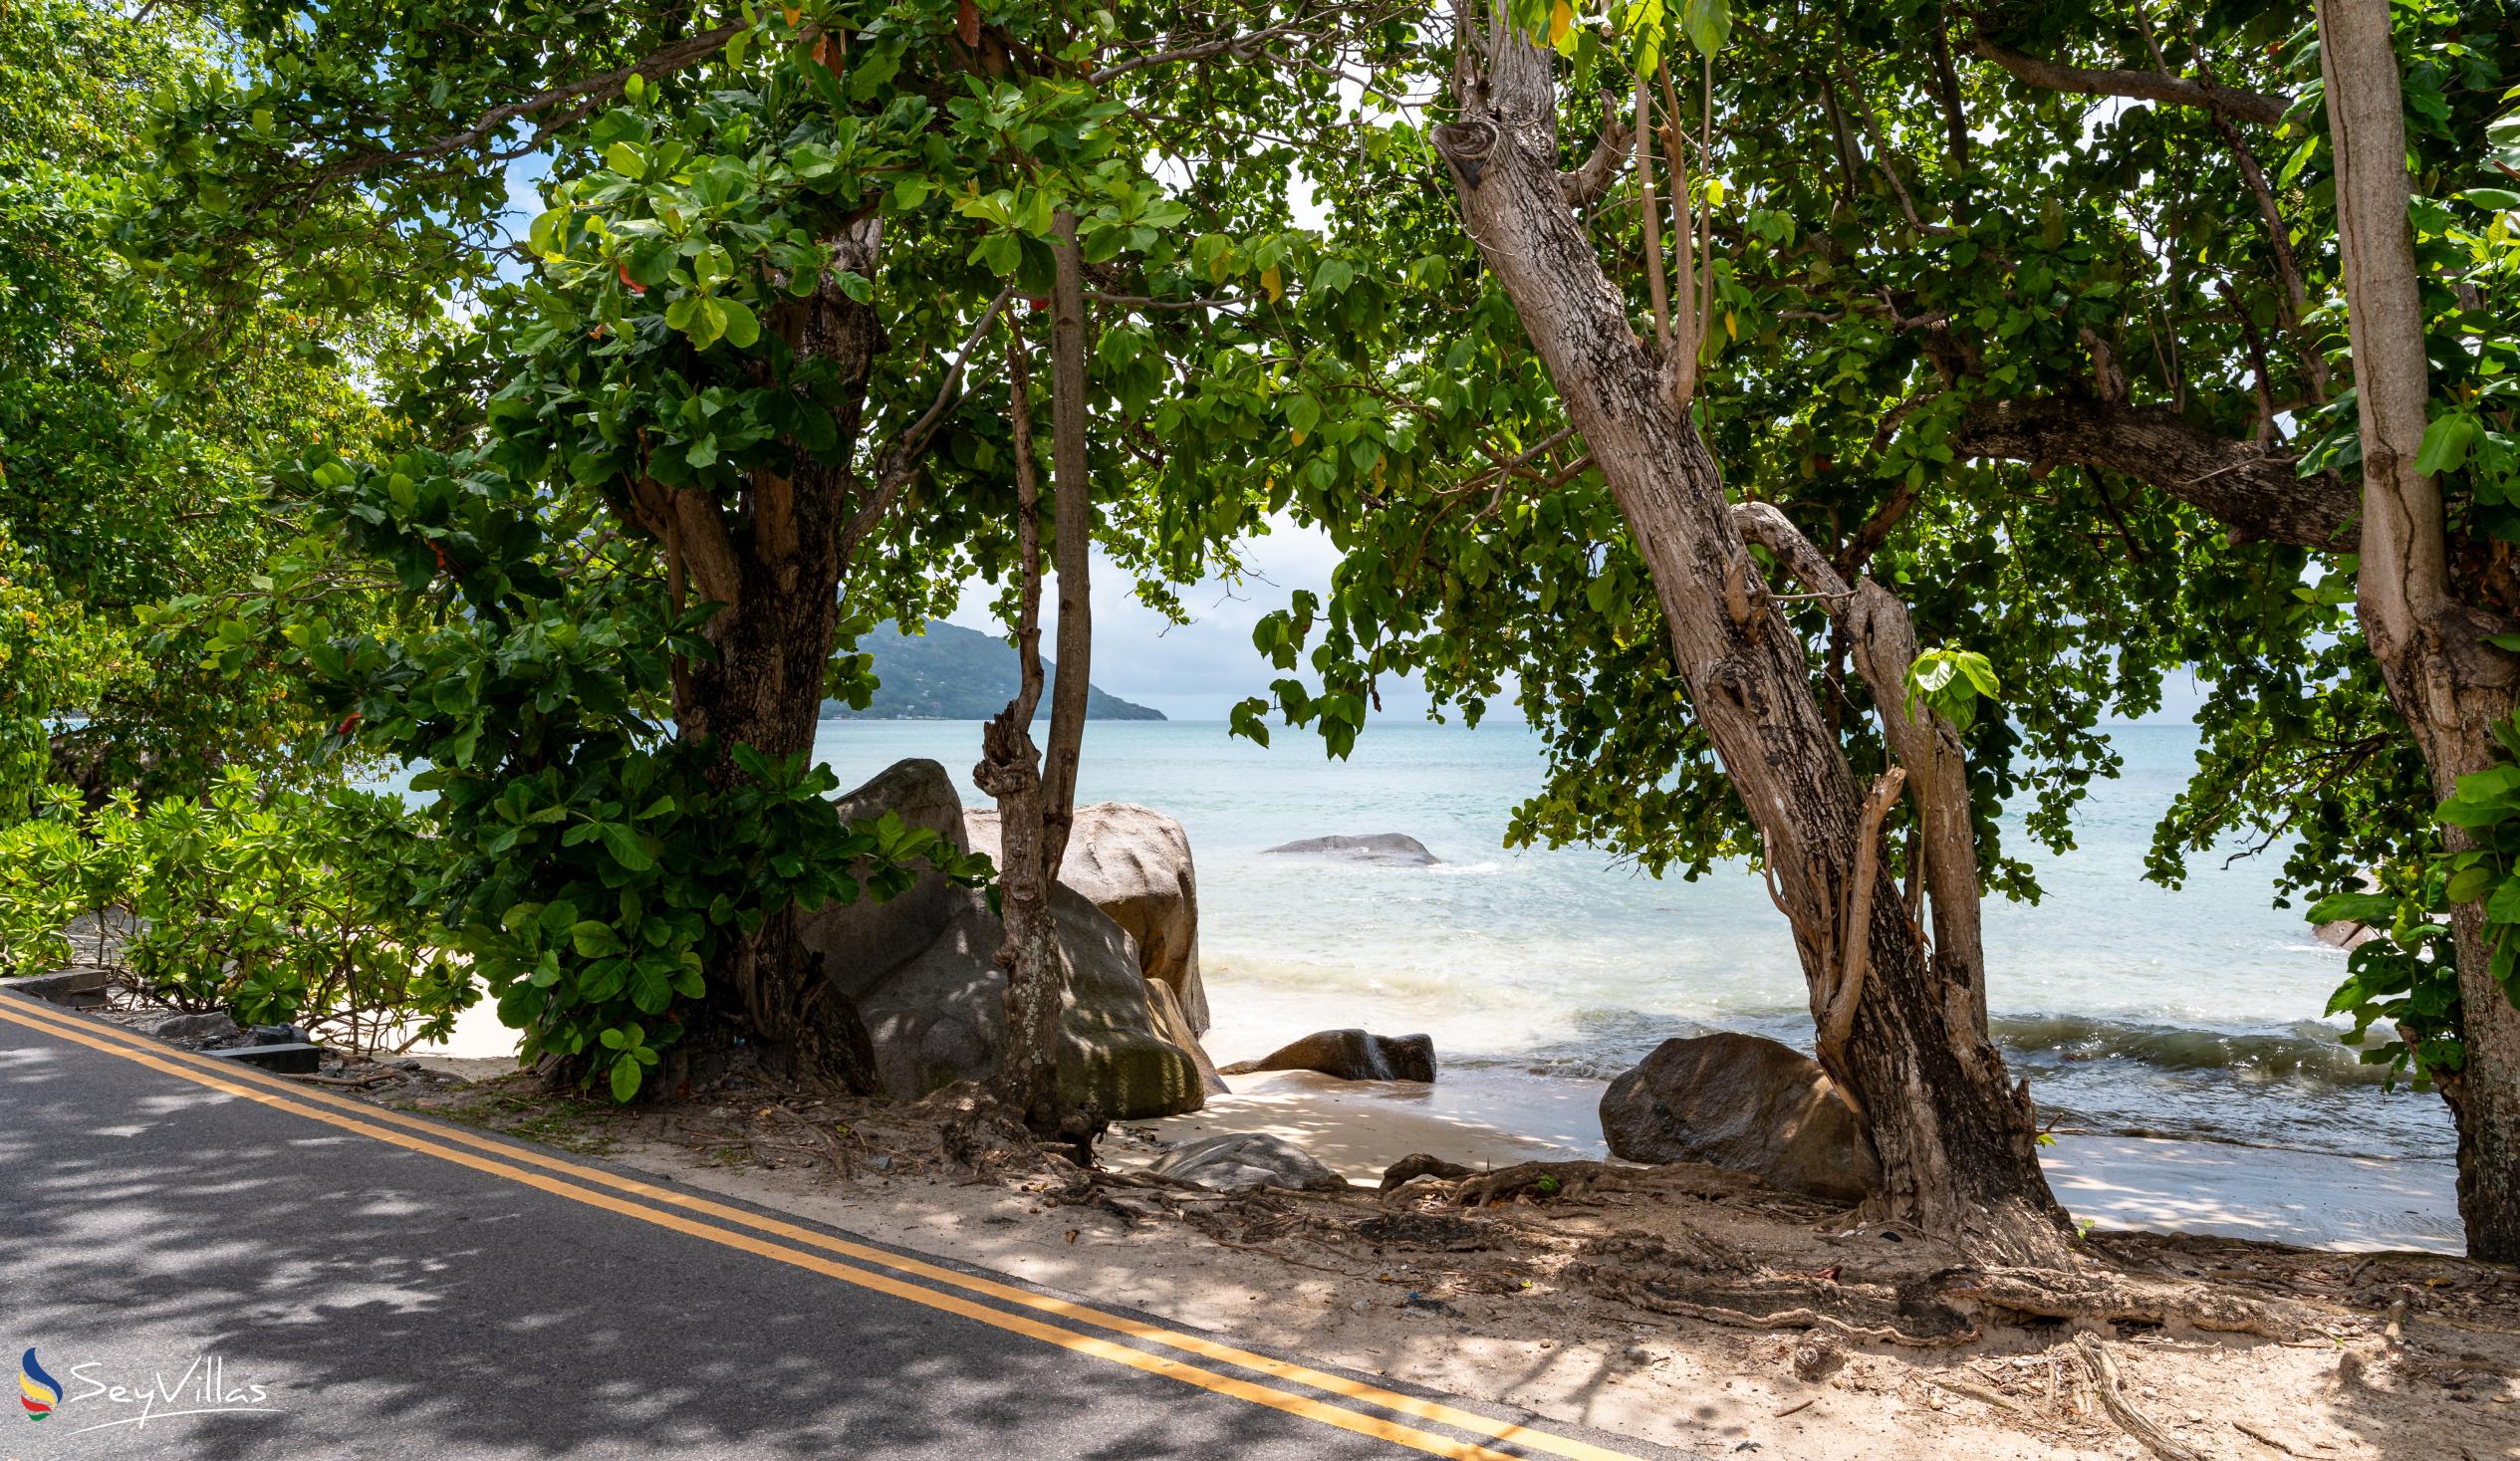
{"type": "Point", "coordinates": [1037, 803]}
{"type": "Point", "coordinates": [2442, 677]}
{"type": "Point", "coordinates": [1957, 1141]}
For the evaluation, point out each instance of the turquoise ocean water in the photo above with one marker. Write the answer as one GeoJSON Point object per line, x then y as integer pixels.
{"type": "Point", "coordinates": [2130, 1008]}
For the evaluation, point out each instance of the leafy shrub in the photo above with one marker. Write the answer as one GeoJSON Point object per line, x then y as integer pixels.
{"type": "Point", "coordinates": [2406, 973]}
{"type": "Point", "coordinates": [596, 867]}
{"type": "Point", "coordinates": [302, 908]}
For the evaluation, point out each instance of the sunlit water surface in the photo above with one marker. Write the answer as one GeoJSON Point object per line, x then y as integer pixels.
{"type": "Point", "coordinates": [2130, 1008]}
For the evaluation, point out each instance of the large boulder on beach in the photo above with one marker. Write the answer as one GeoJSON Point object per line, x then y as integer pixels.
{"type": "Point", "coordinates": [1351, 1055]}
{"type": "Point", "coordinates": [1746, 1103]}
{"type": "Point", "coordinates": [861, 941]}
{"type": "Point", "coordinates": [923, 974]}
{"type": "Point", "coordinates": [1243, 1161]}
{"type": "Point", "coordinates": [1390, 848]}
{"type": "Point", "coordinates": [1174, 1026]}
{"type": "Point", "coordinates": [1134, 864]}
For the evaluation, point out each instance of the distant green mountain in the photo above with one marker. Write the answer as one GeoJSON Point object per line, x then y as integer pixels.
{"type": "Point", "coordinates": [954, 673]}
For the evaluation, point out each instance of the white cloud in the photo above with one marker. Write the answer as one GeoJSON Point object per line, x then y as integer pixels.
{"type": "Point", "coordinates": [1197, 670]}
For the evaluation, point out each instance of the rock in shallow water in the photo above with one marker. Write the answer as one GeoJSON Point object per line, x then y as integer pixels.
{"type": "Point", "coordinates": [1247, 1159]}
{"type": "Point", "coordinates": [1352, 1055]}
{"type": "Point", "coordinates": [1746, 1103]}
{"type": "Point", "coordinates": [1383, 847]}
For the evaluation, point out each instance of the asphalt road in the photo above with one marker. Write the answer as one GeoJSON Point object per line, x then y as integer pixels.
{"type": "Point", "coordinates": [316, 1277]}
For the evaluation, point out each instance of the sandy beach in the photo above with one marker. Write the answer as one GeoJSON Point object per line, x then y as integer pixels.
{"type": "Point", "coordinates": [1496, 1118]}
{"type": "Point", "coordinates": [2350, 1204]}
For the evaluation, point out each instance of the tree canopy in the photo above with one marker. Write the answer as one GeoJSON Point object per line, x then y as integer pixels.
{"type": "Point", "coordinates": [550, 397]}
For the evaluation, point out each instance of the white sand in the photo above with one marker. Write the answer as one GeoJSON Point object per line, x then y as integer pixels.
{"type": "Point", "coordinates": [1487, 1118]}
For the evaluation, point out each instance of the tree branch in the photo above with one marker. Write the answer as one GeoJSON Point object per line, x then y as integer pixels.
{"type": "Point", "coordinates": [1839, 1020]}
{"type": "Point", "coordinates": [2253, 493]}
{"type": "Point", "coordinates": [1583, 186]}
{"type": "Point", "coordinates": [662, 62]}
{"type": "Point", "coordinates": [2141, 86]}
{"type": "Point", "coordinates": [902, 460]}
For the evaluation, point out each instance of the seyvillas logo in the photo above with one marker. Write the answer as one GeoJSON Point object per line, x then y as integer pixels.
{"type": "Point", "coordinates": [205, 1388]}
{"type": "Point", "coordinates": [38, 1392]}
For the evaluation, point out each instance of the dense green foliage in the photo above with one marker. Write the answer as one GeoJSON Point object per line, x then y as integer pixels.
{"type": "Point", "coordinates": [289, 908]}
{"type": "Point", "coordinates": [358, 462]}
{"type": "Point", "coordinates": [132, 499]}
{"type": "Point", "coordinates": [667, 360]}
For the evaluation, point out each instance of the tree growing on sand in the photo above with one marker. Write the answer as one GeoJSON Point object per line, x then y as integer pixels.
{"type": "Point", "coordinates": [2029, 362]}
{"type": "Point", "coordinates": [742, 362]}
{"type": "Point", "coordinates": [2436, 602]}
{"type": "Point", "coordinates": [1902, 1029]}
{"type": "Point", "coordinates": [1037, 804]}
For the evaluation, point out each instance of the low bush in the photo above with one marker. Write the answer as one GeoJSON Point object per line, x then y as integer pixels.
{"type": "Point", "coordinates": [298, 907]}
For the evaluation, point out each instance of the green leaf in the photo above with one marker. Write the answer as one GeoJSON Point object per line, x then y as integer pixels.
{"type": "Point", "coordinates": [627, 846]}
{"type": "Point", "coordinates": [737, 322]}
{"type": "Point", "coordinates": [2469, 884]}
{"type": "Point", "coordinates": [626, 1075]}
{"type": "Point", "coordinates": [1706, 23]}
{"type": "Point", "coordinates": [625, 159]}
{"type": "Point", "coordinates": [2504, 905]}
{"type": "Point", "coordinates": [2445, 443]}
{"type": "Point", "coordinates": [593, 939]}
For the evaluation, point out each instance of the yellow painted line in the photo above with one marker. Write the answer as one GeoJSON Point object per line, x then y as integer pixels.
{"type": "Point", "coordinates": [332, 1109]}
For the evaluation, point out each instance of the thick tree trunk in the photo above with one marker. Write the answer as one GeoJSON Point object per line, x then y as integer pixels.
{"type": "Point", "coordinates": [1037, 805]}
{"type": "Point", "coordinates": [1956, 1139]}
{"type": "Point", "coordinates": [774, 560]}
{"type": "Point", "coordinates": [2450, 686]}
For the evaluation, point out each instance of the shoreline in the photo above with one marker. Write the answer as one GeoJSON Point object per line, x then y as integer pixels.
{"type": "Point", "coordinates": [2350, 1204]}
{"type": "Point", "coordinates": [1484, 1116]}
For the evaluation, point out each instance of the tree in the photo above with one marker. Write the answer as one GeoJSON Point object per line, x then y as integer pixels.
{"type": "Point", "coordinates": [2436, 644]}
{"type": "Point", "coordinates": [1899, 1029]}
{"type": "Point", "coordinates": [2033, 363]}
{"type": "Point", "coordinates": [133, 521]}
{"type": "Point", "coordinates": [1037, 806]}
{"type": "Point", "coordinates": [735, 382]}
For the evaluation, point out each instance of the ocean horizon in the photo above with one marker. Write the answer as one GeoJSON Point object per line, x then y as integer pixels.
{"type": "Point", "coordinates": [2131, 1009]}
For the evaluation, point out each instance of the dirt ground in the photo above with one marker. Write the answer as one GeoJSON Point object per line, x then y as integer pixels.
{"type": "Point", "coordinates": [1681, 1305]}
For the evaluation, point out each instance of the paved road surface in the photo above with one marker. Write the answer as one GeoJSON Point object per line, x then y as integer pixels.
{"type": "Point", "coordinates": [402, 1289]}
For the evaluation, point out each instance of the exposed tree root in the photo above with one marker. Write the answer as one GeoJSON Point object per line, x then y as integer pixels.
{"type": "Point", "coordinates": [2098, 1296]}
{"type": "Point", "coordinates": [1641, 1296]}
{"type": "Point", "coordinates": [1554, 1180]}
{"type": "Point", "coordinates": [2112, 1398]}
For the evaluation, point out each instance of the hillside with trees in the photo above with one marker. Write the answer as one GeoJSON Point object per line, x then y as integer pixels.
{"type": "Point", "coordinates": [948, 672]}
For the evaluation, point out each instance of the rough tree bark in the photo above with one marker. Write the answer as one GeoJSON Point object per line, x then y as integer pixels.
{"type": "Point", "coordinates": [2449, 685]}
{"type": "Point", "coordinates": [774, 558]}
{"type": "Point", "coordinates": [1926, 744]}
{"type": "Point", "coordinates": [1037, 802]}
{"type": "Point", "coordinates": [2254, 492]}
{"type": "Point", "coordinates": [1957, 1141]}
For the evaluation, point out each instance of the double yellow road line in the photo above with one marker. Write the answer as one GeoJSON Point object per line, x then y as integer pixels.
{"type": "Point", "coordinates": [929, 1285]}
